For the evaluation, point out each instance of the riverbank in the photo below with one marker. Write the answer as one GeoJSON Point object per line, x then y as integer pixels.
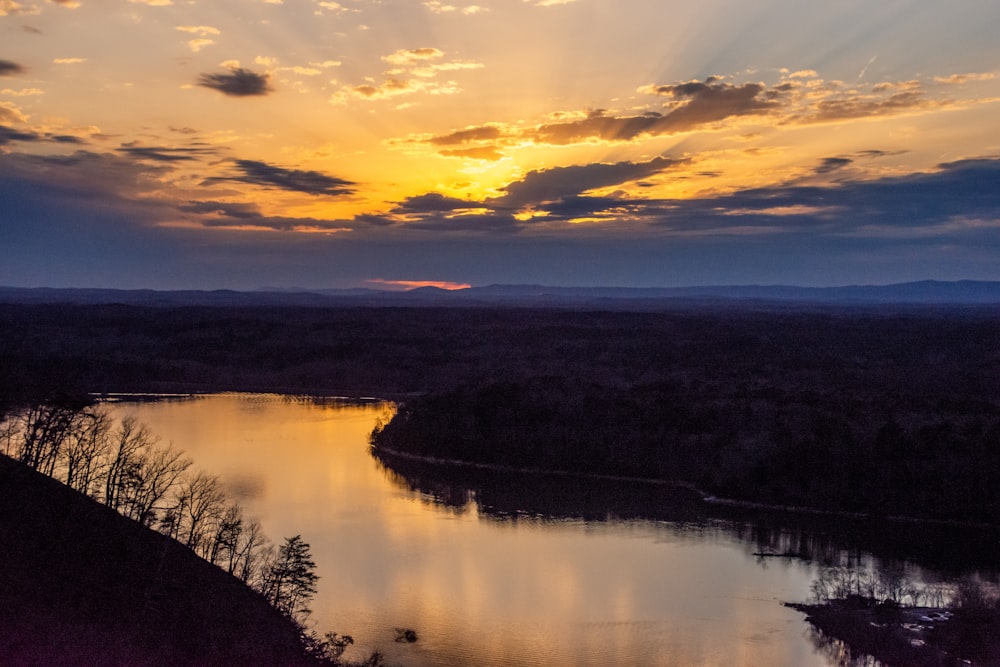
{"type": "Point", "coordinates": [908, 636]}
{"type": "Point", "coordinates": [703, 496]}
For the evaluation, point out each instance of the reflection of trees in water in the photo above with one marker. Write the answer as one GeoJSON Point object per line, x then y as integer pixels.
{"type": "Point", "coordinates": [882, 582]}
{"type": "Point", "coordinates": [841, 541]}
{"type": "Point", "coordinates": [837, 653]}
{"type": "Point", "coordinates": [509, 495]}
{"type": "Point", "coordinates": [907, 562]}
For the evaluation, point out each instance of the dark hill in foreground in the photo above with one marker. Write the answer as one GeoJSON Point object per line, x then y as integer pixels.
{"type": "Point", "coordinates": [82, 585]}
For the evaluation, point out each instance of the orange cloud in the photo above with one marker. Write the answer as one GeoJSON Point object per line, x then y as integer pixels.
{"type": "Point", "coordinates": [414, 284]}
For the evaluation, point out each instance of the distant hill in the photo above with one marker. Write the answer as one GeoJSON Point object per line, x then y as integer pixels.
{"type": "Point", "coordinates": [82, 585]}
{"type": "Point", "coordinates": [925, 292]}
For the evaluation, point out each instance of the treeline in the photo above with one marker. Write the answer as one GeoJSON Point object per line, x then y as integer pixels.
{"type": "Point", "coordinates": [122, 465]}
{"type": "Point", "coordinates": [769, 444]}
{"type": "Point", "coordinates": [892, 411]}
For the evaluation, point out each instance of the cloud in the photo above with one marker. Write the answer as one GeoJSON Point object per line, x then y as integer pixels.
{"type": "Point", "coordinates": [200, 30]}
{"type": "Point", "coordinates": [397, 87]}
{"type": "Point", "coordinates": [692, 105]}
{"type": "Point", "coordinates": [8, 68]}
{"type": "Point", "coordinates": [294, 180]}
{"type": "Point", "coordinates": [9, 113]}
{"type": "Point", "coordinates": [248, 216]}
{"type": "Point", "coordinates": [909, 205]}
{"type": "Point", "coordinates": [432, 202]}
{"type": "Point", "coordinates": [799, 98]}
{"type": "Point", "coordinates": [413, 284]}
{"type": "Point", "coordinates": [405, 57]}
{"type": "Point", "coordinates": [68, 61]}
{"type": "Point", "coordinates": [488, 153]}
{"type": "Point", "coordinates": [849, 108]}
{"type": "Point", "coordinates": [70, 4]}
{"type": "Point", "coordinates": [24, 92]}
{"type": "Point", "coordinates": [832, 164]}
{"type": "Point", "coordinates": [436, 212]}
{"type": "Point", "coordinates": [166, 155]}
{"type": "Point", "coordinates": [9, 135]}
{"type": "Point", "coordinates": [955, 79]}
{"type": "Point", "coordinates": [412, 72]}
{"type": "Point", "coordinates": [546, 186]}
{"type": "Point", "coordinates": [11, 8]}
{"type": "Point", "coordinates": [203, 33]}
{"type": "Point", "coordinates": [237, 83]}
{"type": "Point", "coordinates": [152, 3]}
{"type": "Point", "coordinates": [440, 8]}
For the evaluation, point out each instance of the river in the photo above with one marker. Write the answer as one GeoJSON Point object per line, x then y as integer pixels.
{"type": "Point", "coordinates": [487, 580]}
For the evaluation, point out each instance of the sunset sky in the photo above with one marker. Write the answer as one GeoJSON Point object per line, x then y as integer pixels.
{"type": "Point", "coordinates": [388, 143]}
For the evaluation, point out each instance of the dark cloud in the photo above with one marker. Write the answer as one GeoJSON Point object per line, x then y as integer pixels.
{"type": "Point", "coordinates": [832, 164]}
{"type": "Point", "coordinates": [163, 154]}
{"type": "Point", "coordinates": [694, 105]}
{"type": "Point", "coordinates": [237, 83]}
{"type": "Point", "coordinates": [9, 135]}
{"type": "Point", "coordinates": [66, 139]}
{"type": "Point", "coordinates": [915, 206]}
{"type": "Point", "coordinates": [233, 211]}
{"type": "Point", "coordinates": [553, 185]}
{"type": "Point", "coordinates": [296, 180]}
{"type": "Point", "coordinates": [8, 68]}
{"type": "Point", "coordinates": [492, 222]}
{"type": "Point", "coordinates": [242, 215]}
{"type": "Point", "coordinates": [436, 212]}
{"type": "Point", "coordinates": [432, 202]}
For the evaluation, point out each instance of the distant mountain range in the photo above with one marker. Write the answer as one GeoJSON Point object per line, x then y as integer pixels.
{"type": "Point", "coordinates": [925, 292]}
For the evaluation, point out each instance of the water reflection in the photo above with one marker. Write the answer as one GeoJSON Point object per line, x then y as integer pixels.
{"type": "Point", "coordinates": [506, 496]}
{"type": "Point", "coordinates": [508, 569]}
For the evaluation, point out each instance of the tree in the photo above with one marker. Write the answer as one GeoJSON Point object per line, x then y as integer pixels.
{"type": "Point", "coordinates": [291, 580]}
{"type": "Point", "coordinates": [131, 439]}
{"type": "Point", "coordinates": [151, 475]}
{"type": "Point", "coordinates": [85, 453]}
{"type": "Point", "coordinates": [43, 428]}
{"type": "Point", "coordinates": [201, 501]}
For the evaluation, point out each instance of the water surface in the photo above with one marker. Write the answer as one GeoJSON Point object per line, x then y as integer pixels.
{"type": "Point", "coordinates": [482, 581]}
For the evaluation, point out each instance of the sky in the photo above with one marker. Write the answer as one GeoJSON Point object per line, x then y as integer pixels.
{"type": "Point", "coordinates": [254, 144]}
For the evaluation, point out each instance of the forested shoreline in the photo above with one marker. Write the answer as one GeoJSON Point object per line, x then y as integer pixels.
{"type": "Point", "coordinates": [892, 411]}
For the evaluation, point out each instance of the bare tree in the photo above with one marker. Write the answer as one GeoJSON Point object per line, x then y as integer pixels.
{"type": "Point", "coordinates": [148, 479]}
{"type": "Point", "coordinates": [128, 442]}
{"type": "Point", "coordinates": [200, 500]}
{"type": "Point", "coordinates": [251, 553]}
{"type": "Point", "coordinates": [227, 535]}
{"type": "Point", "coordinates": [85, 451]}
{"type": "Point", "coordinates": [42, 428]}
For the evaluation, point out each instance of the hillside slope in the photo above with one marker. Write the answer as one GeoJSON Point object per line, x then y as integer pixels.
{"type": "Point", "coordinates": [82, 585]}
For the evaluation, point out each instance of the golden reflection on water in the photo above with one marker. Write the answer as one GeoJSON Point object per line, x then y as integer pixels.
{"type": "Point", "coordinates": [477, 590]}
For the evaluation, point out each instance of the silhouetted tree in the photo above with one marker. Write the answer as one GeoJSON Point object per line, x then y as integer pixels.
{"type": "Point", "coordinates": [291, 579]}
{"type": "Point", "coordinates": [85, 452]}
{"type": "Point", "coordinates": [129, 441]}
{"type": "Point", "coordinates": [200, 501]}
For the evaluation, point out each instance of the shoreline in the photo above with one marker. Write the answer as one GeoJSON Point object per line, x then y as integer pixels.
{"type": "Point", "coordinates": [707, 498]}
